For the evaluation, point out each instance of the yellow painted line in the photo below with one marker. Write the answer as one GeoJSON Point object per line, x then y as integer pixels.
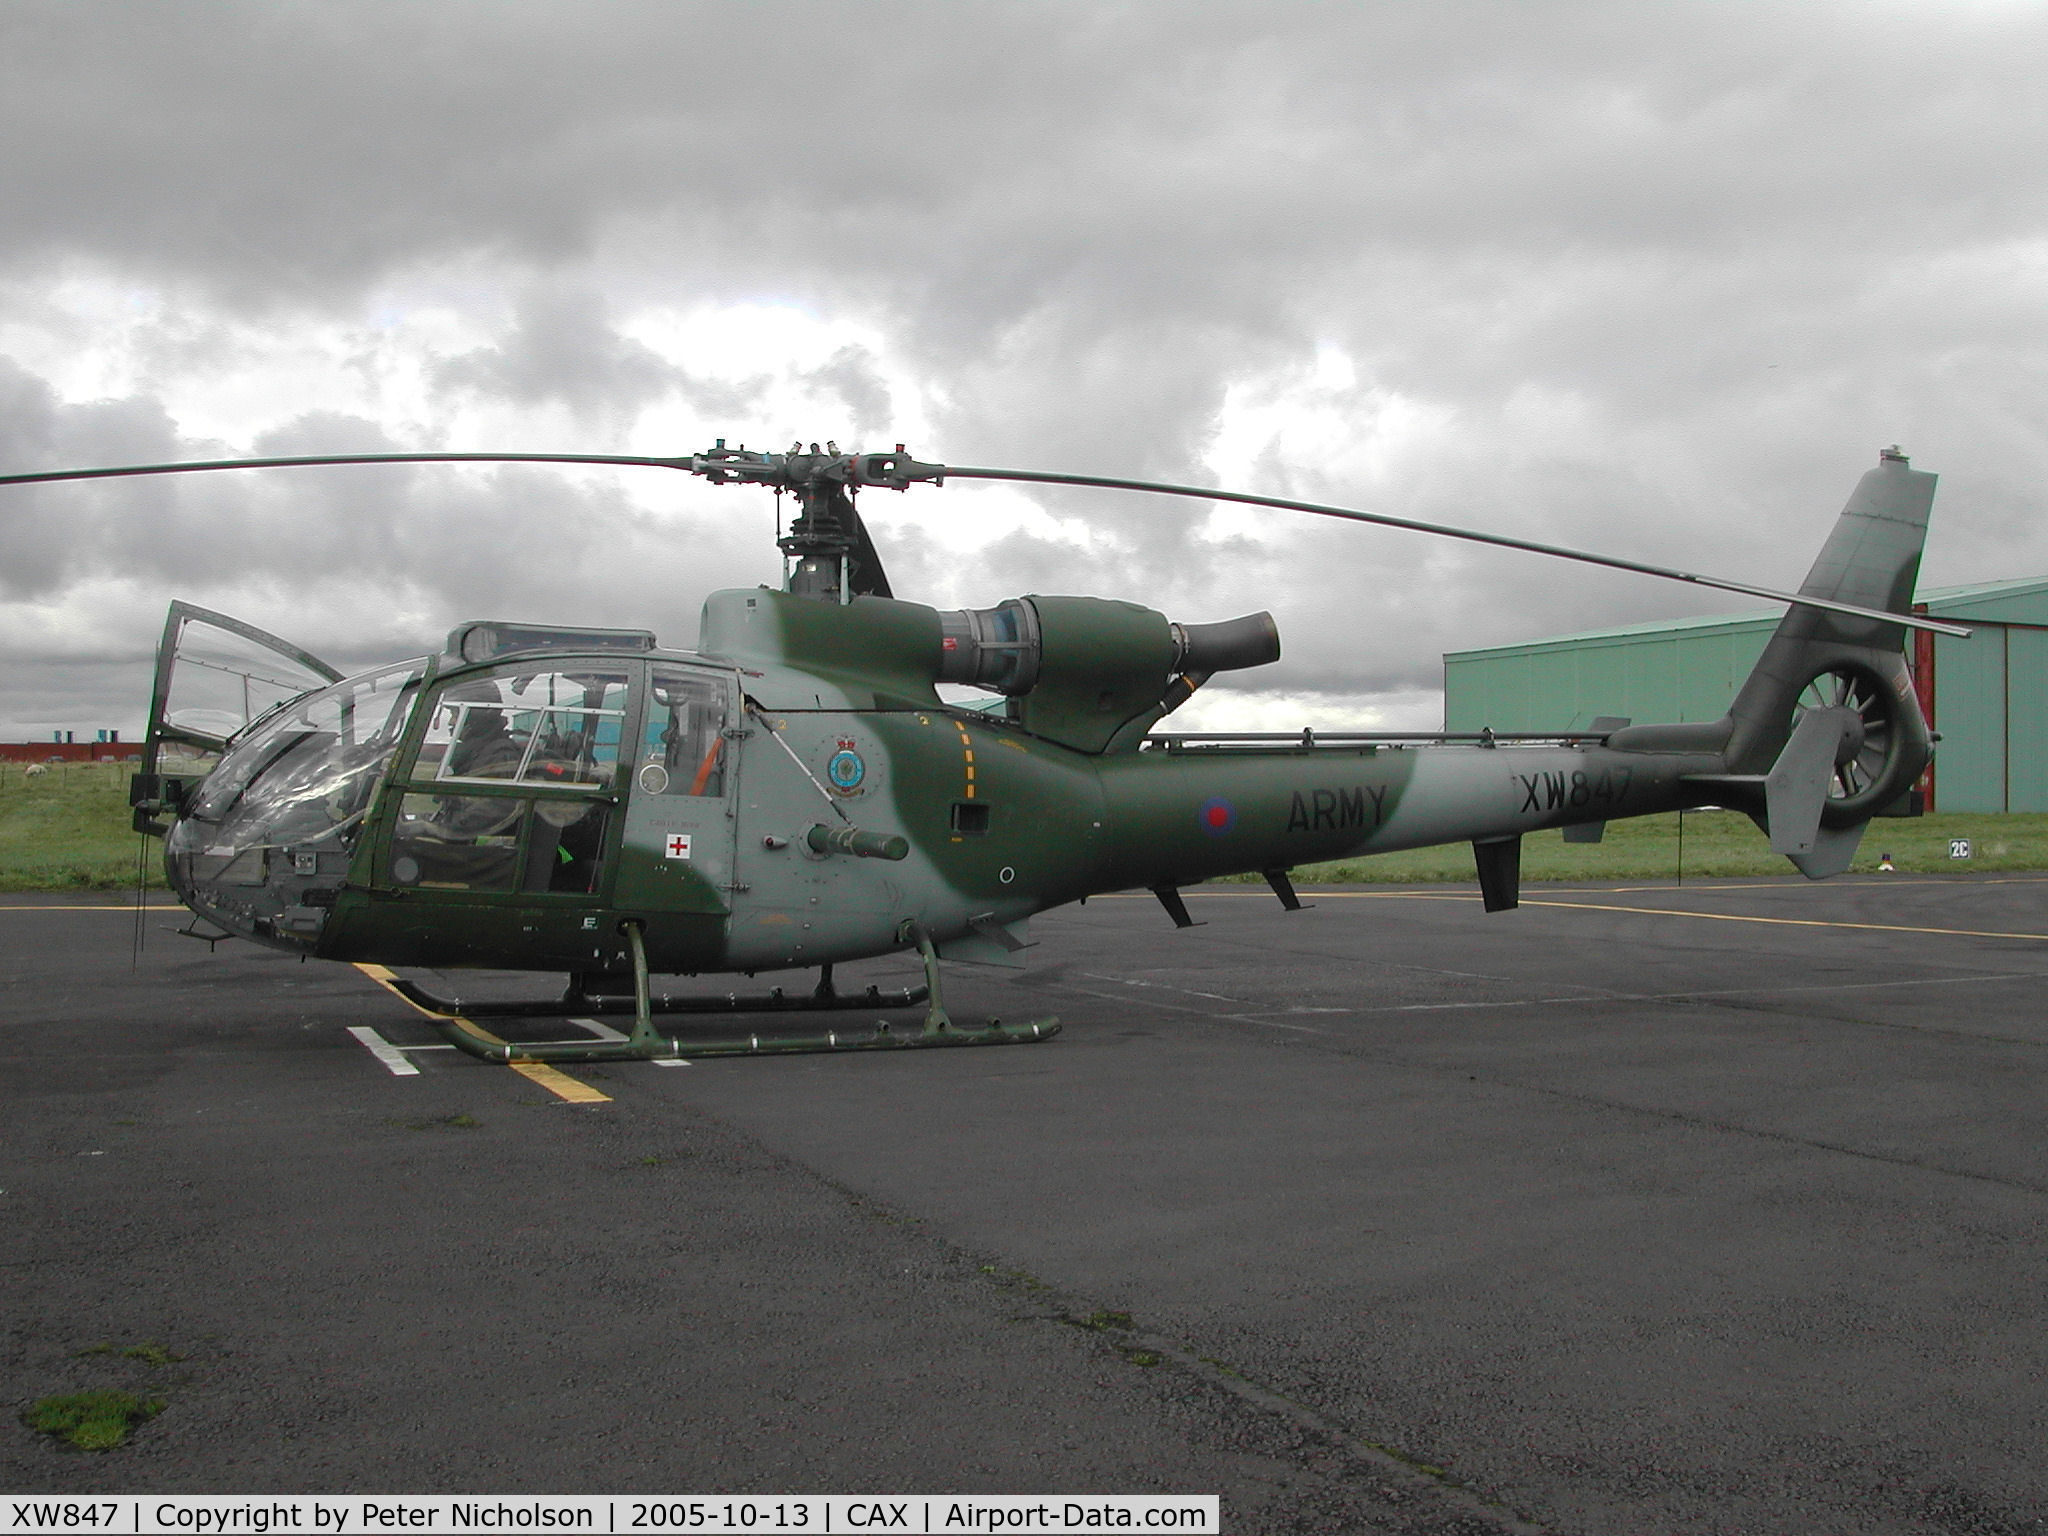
{"type": "Point", "coordinates": [1265, 895]}
{"type": "Point", "coordinates": [561, 1084]}
{"type": "Point", "coordinates": [557, 1082]}
{"type": "Point", "coordinates": [384, 977]}
{"type": "Point", "coordinates": [1855, 880]}
{"type": "Point", "coordinates": [1598, 906]}
{"type": "Point", "coordinates": [94, 906]}
{"type": "Point", "coordinates": [1787, 922]}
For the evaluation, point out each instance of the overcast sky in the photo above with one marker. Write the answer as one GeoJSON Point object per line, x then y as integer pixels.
{"type": "Point", "coordinates": [1657, 280]}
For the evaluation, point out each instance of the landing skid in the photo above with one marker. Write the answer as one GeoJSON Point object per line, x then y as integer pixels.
{"type": "Point", "coordinates": [576, 1004]}
{"type": "Point", "coordinates": [455, 1023]}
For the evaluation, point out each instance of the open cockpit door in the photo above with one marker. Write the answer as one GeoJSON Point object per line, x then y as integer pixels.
{"type": "Point", "coordinates": [215, 674]}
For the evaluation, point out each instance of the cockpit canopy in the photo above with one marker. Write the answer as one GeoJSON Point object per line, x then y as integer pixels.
{"type": "Point", "coordinates": [302, 777]}
{"type": "Point", "coordinates": [499, 778]}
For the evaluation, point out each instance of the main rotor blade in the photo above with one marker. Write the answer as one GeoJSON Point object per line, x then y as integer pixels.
{"type": "Point", "coordinates": [1107, 482]}
{"type": "Point", "coordinates": [683, 463]}
{"type": "Point", "coordinates": [905, 470]}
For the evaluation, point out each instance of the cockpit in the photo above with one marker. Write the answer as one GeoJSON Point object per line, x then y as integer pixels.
{"type": "Point", "coordinates": [293, 790]}
{"type": "Point", "coordinates": [508, 761]}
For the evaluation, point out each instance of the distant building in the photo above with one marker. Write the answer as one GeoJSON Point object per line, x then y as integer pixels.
{"type": "Point", "coordinates": [115, 751]}
{"type": "Point", "coordinates": [1987, 695]}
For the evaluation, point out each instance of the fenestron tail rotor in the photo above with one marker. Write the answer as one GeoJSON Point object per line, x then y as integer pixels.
{"type": "Point", "coordinates": [1866, 759]}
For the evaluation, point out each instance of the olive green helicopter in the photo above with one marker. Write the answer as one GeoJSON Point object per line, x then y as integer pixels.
{"type": "Point", "coordinates": [795, 793]}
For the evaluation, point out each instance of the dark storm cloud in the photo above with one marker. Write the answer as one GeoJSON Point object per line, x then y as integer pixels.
{"type": "Point", "coordinates": [851, 374]}
{"type": "Point", "coordinates": [412, 539]}
{"type": "Point", "coordinates": [55, 533]}
{"type": "Point", "coordinates": [1654, 279]}
{"type": "Point", "coordinates": [563, 349]}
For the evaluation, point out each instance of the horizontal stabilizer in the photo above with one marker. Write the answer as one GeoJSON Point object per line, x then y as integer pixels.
{"type": "Point", "coordinates": [1593, 831]}
{"type": "Point", "coordinates": [987, 926]}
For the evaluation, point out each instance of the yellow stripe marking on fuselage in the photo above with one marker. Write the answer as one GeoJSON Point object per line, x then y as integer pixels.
{"type": "Point", "coordinates": [967, 753]}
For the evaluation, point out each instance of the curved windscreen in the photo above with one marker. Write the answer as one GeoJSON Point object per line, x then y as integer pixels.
{"type": "Point", "coordinates": [303, 776]}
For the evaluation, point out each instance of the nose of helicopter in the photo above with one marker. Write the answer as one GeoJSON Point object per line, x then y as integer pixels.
{"type": "Point", "coordinates": [266, 839]}
{"type": "Point", "coordinates": [268, 863]}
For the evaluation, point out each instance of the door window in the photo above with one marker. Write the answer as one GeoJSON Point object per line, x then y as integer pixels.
{"type": "Point", "coordinates": [560, 728]}
{"type": "Point", "coordinates": [499, 843]}
{"type": "Point", "coordinates": [682, 748]}
{"type": "Point", "coordinates": [215, 674]}
{"type": "Point", "coordinates": [470, 820]}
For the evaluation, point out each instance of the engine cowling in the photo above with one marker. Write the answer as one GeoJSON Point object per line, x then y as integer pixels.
{"type": "Point", "coordinates": [1081, 668]}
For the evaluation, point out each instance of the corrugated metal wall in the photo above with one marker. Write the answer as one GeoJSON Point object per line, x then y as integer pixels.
{"type": "Point", "coordinates": [1990, 691]}
{"type": "Point", "coordinates": [1991, 699]}
{"type": "Point", "coordinates": [1685, 672]}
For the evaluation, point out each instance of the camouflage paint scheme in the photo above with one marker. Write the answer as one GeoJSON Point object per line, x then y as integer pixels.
{"type": "Point", "coordinates": [833, 722]}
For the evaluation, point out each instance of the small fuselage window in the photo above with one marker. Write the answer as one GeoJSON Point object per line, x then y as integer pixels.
{"type": "Point", "coordinates": [683, 747]}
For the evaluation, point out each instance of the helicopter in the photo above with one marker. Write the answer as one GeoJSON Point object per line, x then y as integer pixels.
{"type": "Point", "coordinates": [795, 794]}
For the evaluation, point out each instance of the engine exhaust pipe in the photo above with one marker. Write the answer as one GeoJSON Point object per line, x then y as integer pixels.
{"type": "Point", "coordinates": [1231, 646]}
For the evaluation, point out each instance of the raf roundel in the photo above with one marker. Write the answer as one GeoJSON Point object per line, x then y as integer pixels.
{"type": "Point", "coordinates": [1217, 815]}
{"type": "Point", "coordinates": [846, 770]}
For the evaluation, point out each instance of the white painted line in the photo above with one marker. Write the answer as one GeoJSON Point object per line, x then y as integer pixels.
{"type": "Point", "coordinates": [602, 1031]}
{"type": "Point", "coordinates": [1162, 986]}
{"type": "Point", "coordinates": [384, 1051]}
{"type": "Point", "coordinates": [670, 1061]}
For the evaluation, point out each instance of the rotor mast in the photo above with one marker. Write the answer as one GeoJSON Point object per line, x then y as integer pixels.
{"type": "Point", "coordinates": [827, 554]}
{"type": "Point", "coordinates": [818, 551]}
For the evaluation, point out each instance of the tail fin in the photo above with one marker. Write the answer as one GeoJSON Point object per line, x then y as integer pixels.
{"type": "Point", "coordinates": [1827, 730]}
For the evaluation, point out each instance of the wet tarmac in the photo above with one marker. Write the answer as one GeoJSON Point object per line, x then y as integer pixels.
{"type": "Point", "coordinates": [1639, 1209]}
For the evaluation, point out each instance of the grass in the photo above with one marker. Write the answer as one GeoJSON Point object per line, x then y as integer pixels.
{"type": "Point", "coordinates": [151, 1353]}
{"type": "Point", "coordinates": [1717, 843]}
{"type": "Point", "coordinates": [69, 830]}
{"type": "Point", "coordinates": [1103, 1322]}
{"type": "Point", "coordinates": [91, 1421]}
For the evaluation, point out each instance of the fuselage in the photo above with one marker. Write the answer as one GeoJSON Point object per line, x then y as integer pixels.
{"type": "Point", "coordinates": [796, 792]}
{"type": "Point", "coordinates": [521, 811]}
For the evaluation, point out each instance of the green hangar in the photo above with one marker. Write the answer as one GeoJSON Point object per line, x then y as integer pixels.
{"type": "Point", "coordinates": [1987, 696]}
